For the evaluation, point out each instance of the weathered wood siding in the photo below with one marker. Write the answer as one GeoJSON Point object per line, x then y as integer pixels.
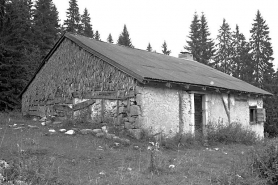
{"type": "Point", "coordinates": [72, 69]}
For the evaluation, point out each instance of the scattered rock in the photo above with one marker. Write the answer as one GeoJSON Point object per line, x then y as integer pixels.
{"type": "Point", "coordinates": [136, 133]}
{"type": "Point", "coordinates": [35, 119]}
{"type": "Point", "coordinates": [43, 123]}
{"type": "Point", "coordinates": [116, 144]}
{"type": "Point", "coordinates": [95, 131]}
{"type": "Point", "coordinates": [62, 130]}
{"type": "Point", "coordinates": [86, 131]}
{"type": "Point", "coordinates": [104, 129]}
{"type": "Point", "coordinates": [100, 134]}
{"type": "Point", "coordinates": [51, 130]}
{"type": "Point", "coordinates": [70, 132]}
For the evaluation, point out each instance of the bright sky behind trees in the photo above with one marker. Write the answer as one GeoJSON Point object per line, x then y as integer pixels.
{"type": "Point", "coordinates": [158, 20]}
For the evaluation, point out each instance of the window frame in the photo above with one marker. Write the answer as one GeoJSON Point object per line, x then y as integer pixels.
{"type": "Point", "coordinates": [253, 116]}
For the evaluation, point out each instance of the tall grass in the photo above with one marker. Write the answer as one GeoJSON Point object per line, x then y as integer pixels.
{"type": "Point", "coordinates": [233, 133]}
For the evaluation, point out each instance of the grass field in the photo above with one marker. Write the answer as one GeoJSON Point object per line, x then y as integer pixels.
{"type": "Point", "coordinates": [85, 159]}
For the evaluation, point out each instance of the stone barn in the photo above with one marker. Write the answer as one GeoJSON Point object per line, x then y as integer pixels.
{"type": "Point", "coordinates": [136, 89]}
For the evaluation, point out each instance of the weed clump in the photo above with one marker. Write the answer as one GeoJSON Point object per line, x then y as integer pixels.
{"type": "Point", "coordinates": [264, 162]}
{"type": "Point", "coordinates": [233, 133]}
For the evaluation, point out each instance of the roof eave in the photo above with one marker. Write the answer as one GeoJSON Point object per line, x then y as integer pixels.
{"type": "Point", "coordinates": [185, 83]}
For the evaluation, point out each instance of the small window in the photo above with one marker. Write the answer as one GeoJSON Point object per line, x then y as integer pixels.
{"type": "Point", "coordinates": [253, 114]}
{"type": "Point", "coordinates": [257, 115]}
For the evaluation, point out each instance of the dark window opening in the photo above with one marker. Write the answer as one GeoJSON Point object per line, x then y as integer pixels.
{"type": "Point", "coordinates": [253, 114]}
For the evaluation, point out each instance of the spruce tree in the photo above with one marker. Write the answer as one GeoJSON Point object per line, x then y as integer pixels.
{"type": "Point", "coordinates": [124, 38]}
{"type": "Point", "coordinates": [261, 50]}
{"type": "Point", "coordinates": [223, 57]}
{"type": "Point", "coordinates": [17, 51]}
{"type": "Point", "coordinates": [193, 44]}
{"type": "Point", "coordinates": [206, 44]}
{"type": "Point", "coordinates": [46, 25]}
{"type": "Point", "coordinates": [86, 25]}
{"type": "Point", "coordinates": [72, 23]}
{"type": "Point", "coordinates": [97, 36]}
{"type": "Point", "coordinates": [110, 39]}
{"type": "Point", "coordinates": [241, 58]}
{"type": "Point", "coordinates": [149, 48]}
{"type": "Point", "coordinates": [165, 50]}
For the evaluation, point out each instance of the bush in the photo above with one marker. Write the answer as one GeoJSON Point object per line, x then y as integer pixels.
{"type": "Point", "coordinates": [230, 133]}
{"type": "Point", "coordinates": [264, 162]}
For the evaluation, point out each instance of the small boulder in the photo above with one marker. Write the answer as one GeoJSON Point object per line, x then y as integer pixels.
{"type": "Point", "coordinates": [51, 130]}
{"type": "Point", "coordinates": [95, 131]}
{"type": "Point", "coordinates": [62, 130]}
{"type": "Point", "coordinates": [104, 129]}
{"type": "Point", "coordinates": [70, 132]}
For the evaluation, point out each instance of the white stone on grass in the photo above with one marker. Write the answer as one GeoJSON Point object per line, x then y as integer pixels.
{"type": "Point", "coordinates": [62, 130]}
{"type": "Point", "coordinates": [51, 130]}
{"type": "Point", "coordinates": [70, 132]}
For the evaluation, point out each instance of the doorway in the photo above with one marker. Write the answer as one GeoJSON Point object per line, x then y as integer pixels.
{"type": "Point", "coordinates": [198, 104]}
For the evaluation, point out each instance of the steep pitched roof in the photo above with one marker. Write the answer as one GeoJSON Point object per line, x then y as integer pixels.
{"type": "Point", "coordinates": [144, 65]}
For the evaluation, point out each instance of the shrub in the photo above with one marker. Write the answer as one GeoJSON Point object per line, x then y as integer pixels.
{"type": "Point", "coordinates": [264, 162]}
{"type": "Point", "coordinates": [230, 133]}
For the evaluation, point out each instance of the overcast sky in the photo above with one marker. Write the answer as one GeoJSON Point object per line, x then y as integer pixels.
{"type": "Point", "coordinates": [157, 20]}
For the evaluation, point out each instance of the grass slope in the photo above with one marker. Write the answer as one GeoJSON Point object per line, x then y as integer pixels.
{"type": "Point", "coordinates": [86, 159]}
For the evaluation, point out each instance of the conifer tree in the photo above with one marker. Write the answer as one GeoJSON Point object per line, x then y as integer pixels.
{"type": "Point", "coordinates": [110, 39]}
{"type": "Point", "coordinates": [97, 36]}
{"type": "Point", "coordinates": [261, 50]}
{"type": "Point", "coordinates": [206, 44]}
{"type": "Point", "coordinates": [72, 23]}
{"type": "Point", "coordinates": [124, 38]}
{"type": "Point", "coordinates": [241, 58]}
{"type": "Point", "coordinates": [149, 48]}
{"type": "Point", "coordinates": [17, 51]}
{"type": "Point", "coordinates": [86, 25]}
{"type": "Point", "coordinates": [193, 44]}
{"type": "Point", "coordinates": [46, 25]}
{"type": "Point", "coordinates": [223, 57]}
{"type": "Point", "coordinates": [165, 50]}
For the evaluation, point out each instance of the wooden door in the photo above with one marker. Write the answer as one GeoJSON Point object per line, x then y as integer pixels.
{"type": "Point", "coordinates": [198, 114]}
